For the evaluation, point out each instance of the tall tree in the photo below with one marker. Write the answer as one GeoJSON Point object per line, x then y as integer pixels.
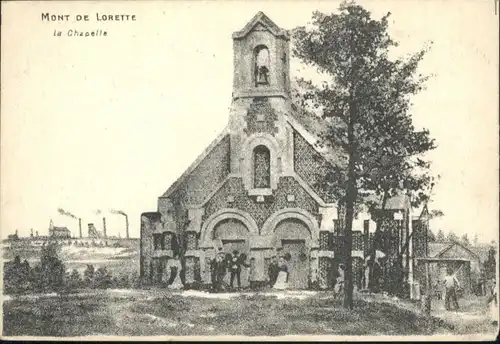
{"type": "Point", "coordinates": [490, 264]}
{"type": "Point", "coordinates": [465, 239]}
{"type": "Point", "coordinates": [365, 102]}
{"type": "Point", "coordinates": [432, 236]}
{"type": "Point", "coordinates": [51, 268]}
{"type": "Point", "coordinates": [452, 237]}
{"type": "Point", "coordinates": [440, 236]}
{"type": "Point", "coordinates": [476, 239]}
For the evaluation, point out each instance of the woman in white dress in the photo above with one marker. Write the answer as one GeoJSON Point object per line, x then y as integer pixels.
{"type": "Point", "coordinates": [174, 267]}
{"type": "Point", "coordinates": [282, 280]}
{"type": "Point", "coordinates": [493, 304]}
{"type": "Point", "coordinates": [339, 285]}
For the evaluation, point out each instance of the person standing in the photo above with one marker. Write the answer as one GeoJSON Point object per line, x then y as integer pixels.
{"type": "Point", "coordinates": [282, 279]}
{"type": "Point", "coordinates": [339, 284]}
{"type": "Point", "coordinates": [174, 267]}
{"type": "Point", "coordinates": [251, 274]}
{"type": "Point", "coordinates": [493, 304]}
{"type": "Point", "coordinates": [218, 271]}
{"type": "Point", "coordinates": [273, 271]}
{"type": "Point", "coordinates": [377, 275]}
{"type": "Point", "coordinates": [451, 284]}
{"type": "Point", "coordinates": [366, 276]}
{"type": "Point", "coordinates": [221, 270]}
{"type": "Point", "coordinates": [235, 268]}
{"type": "Point", "coordinates": [213, 272]}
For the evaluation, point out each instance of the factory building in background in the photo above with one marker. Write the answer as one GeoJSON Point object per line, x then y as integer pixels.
{"type": "Point", "coordinates": [59, 232]}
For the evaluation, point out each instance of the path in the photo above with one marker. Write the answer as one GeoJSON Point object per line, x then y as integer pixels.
{"type": "Point", "coordinates": [298, 294]}
{"type": "Point", "coordinates": [473, 317]}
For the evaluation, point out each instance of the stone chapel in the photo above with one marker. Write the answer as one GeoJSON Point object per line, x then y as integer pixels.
{"type": "Point", "coordinates": [254, 188]}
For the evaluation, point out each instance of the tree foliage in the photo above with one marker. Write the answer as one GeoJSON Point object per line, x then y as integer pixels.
{"type": "Point", "coordinates": [88, 276]}
{"type": "Point", "coordinates": [365, 101]}
{"type": "Point", "coordinates": [47, 275]}
{"type": "Point", "coordinates": [452, 237]}
{"type": "Point", "coordinates": [440, 236]}
{"type": "Point", "coordinates": [465, 240]}
{"type": "Point", "coordinates": [490, 264]}
{"type": "Point", "coordinates": [432, 236]}
{"type": "Point", "coordinates": [435, 213]}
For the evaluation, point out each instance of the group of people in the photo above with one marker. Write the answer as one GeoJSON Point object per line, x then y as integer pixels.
{"type": "Point", "coordinates": [278, 272]}
{"type": "Point", "coordinates": [233, 264]}
{"type": "Point", "coordinates": [223, 264]}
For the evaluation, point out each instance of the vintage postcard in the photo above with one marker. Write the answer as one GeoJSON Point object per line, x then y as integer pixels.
{"type": "Point", "coordinates": [246, 170]}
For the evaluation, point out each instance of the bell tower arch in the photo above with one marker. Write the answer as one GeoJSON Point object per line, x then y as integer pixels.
{"type": "Point", "coordinates": [260, 100]}
{"type": "Point", "coordinates": [261, 61]}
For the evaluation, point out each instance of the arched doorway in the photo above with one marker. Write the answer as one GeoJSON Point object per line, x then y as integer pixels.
{"type": "Point", "coordinates": [294, 236]}
{"type": "Point", "coordinates": [234, 235]}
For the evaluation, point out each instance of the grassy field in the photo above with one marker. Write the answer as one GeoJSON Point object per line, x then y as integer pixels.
{"type": "Point", "coordinates": [470, 318]}
{"type": "Point", "coordinates": [119, 261]}
{"type": "Point", "coordinates": [150, 313]}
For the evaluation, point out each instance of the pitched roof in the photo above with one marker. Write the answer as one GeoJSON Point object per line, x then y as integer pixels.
{"type": "Point", "coordinates": [481, 250]}
{"type": "Point", "coordinates": [311, 127]}
{"type": "Point", "coordinates": [198, 160]}
{"type": "Point", "coordinates": [398, 202]}
{"type": "Point", "coordinates": [438, 249]}
{"type": "Point", "coordinates": [260, 19]}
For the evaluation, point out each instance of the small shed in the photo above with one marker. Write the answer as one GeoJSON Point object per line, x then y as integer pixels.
{"type": "Point", "coordinates": [464, 263]}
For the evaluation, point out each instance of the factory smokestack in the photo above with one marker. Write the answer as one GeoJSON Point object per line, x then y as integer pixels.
{"type": "Point", "coordinates": [104, 227]}
{"type": "Point", "coordinates": [121, 212]}
{"type": "Point", "coordinates": [80, 227]}
{"type": "Point", "coordinates": [126, 225]}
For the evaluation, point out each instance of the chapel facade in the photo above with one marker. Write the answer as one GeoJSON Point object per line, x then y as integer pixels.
{"type": "Point", "coordinates": [254, 189]}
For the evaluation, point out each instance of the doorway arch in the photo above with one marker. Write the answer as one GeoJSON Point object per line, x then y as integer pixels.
{"type": "Point", "coordinates": [234, 236]}
{"type": "Point", "coordinates": [294, 236]}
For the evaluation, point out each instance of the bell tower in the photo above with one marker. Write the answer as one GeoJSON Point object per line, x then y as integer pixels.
{"type": "Point", "coordinates": [260, 101]}
{"type": "Point", "coordinates": [261, 59]}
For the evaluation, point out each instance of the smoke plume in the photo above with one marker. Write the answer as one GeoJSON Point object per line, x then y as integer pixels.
{"type": "Point", "coordinates": [66, 213]}
{"type": "Point", "coordinates": [119, 212]}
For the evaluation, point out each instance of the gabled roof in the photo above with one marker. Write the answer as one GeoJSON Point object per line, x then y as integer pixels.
{"type": "Point", "coordinates": [310, 127]}
{"type": "Point", "coordinates": [198, 160]}
{"type": "Point", "coordinates": [398, 202]}
{"type": "Point", "coordinates": [262, 22]}
{"type": "Point", "coordinates": [437, 247]}
{"type": "Point", "coordinates": [425, 211]}
{"type": "Point", "coordinates": [433, 248]}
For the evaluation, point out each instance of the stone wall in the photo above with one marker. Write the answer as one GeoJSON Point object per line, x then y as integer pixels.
{"type": "Point", "coordinates": [311, 166]}
{"type": "Point", "coordinates": [200, 183]}
{"type": "Point", "coordinates": [148, 224]}
{"type": "Point", "coordinates": [261, 211]}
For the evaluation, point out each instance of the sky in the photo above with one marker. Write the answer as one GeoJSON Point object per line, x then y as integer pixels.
{"type": "Point", "coordinates": [111, 122]}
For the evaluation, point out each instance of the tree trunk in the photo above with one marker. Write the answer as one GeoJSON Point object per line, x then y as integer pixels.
{"type": "Point", "coordinates": [378, 227]}
{"type": "Point", "coordinates": [351, 196]}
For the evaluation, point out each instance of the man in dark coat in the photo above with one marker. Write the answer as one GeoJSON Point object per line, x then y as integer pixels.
{"type": "Point", "coordinates": [218, 271]}
{"type": "Point", "coordinates": [273, 270]}
{"type": "Point", "coordinates": [235, 268]}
